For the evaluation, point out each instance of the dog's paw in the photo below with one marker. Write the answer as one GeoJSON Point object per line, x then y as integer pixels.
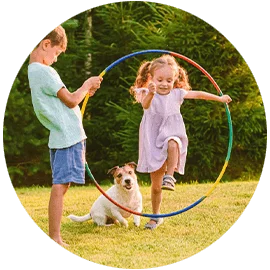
{"type": "Point", "coordinates": [137, 224]}
{"type": "Point", "coordinates": [137, 221]}
{"type": "Point", "coordinates": [125, 223]}
{"type": "Point", "coordinates": [116, 222]}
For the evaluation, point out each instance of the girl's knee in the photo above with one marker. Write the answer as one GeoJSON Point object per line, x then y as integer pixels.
{"type": "Point", "coordinates": [172, 144]}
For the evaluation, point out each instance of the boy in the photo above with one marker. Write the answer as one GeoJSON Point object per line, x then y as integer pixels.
{"type": "Point", "coordinates": [57, 109]}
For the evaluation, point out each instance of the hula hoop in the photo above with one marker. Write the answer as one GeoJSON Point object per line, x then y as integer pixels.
{"type": "Point", "coordinates": [208, 193]}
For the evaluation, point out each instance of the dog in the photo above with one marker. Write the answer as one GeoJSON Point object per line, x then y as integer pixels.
{"type": "Point", "coordinates": [125, 191]}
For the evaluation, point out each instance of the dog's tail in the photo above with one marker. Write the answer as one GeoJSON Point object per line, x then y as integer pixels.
{"type": "Point", "coordinates": [80, 219]}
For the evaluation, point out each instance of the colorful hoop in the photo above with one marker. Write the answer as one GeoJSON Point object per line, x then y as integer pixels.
{"type": "Point", "coordinates": [177, 55]}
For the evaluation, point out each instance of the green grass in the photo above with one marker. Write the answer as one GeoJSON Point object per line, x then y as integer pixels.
{"type": "Point", "coordinates": [178, 238]}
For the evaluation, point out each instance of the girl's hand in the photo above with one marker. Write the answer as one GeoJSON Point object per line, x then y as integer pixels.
{"type": "Point", "coordinates": [152, 87]}
{"type": "Point", "coordinates": [225, 98]}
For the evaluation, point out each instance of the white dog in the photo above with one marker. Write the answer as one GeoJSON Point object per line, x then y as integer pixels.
{"type": "Point", "coordinates": [125, 191]}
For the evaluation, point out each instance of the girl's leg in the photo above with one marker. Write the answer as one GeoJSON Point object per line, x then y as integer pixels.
{"type": "Point", "coordinates": [173, 155]}
{"type": "Point", "coordinates": [156, 192]}
{"type": "Point", "coordinates": [172, 160]}
{"type": "Point", "coordinates": [55, 211]}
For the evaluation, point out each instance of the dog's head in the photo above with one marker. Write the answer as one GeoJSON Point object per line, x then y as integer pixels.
{"type": "Point", "coordinates": [124, 176]}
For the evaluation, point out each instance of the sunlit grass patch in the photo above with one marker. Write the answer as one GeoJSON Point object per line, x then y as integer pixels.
{"type": "Point", "coordinates": [178, 238]}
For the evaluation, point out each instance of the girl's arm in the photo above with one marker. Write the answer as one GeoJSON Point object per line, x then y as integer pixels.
{"type": "Point", "coordinates": [207, 96]}
{"type": "Point", "coordinates": [146, 102]}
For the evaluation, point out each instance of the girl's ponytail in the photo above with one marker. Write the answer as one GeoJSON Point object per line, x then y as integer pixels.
{"type": "Point", "coordinates": [182, 80]}
{"type": "Point", "coordinates": [142, 78]}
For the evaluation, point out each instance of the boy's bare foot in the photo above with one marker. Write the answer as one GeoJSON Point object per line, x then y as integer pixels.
{"type": "Point", "coordinates": [61, 242]}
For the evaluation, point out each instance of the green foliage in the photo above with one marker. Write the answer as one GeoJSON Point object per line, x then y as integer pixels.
{"type": "Point", "coordinates": [25, 142]}
{"type": "Point", "coordinates": [112, 119]}
{"type": "Point", "coordinates": [144, 25]}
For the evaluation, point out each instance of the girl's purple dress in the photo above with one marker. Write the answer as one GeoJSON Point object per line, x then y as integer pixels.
{"type": "Point", "coordinates": [161, 122]}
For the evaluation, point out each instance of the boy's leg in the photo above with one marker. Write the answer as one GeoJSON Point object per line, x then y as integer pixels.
{"type": "Point", "coordinates": [55, 211]}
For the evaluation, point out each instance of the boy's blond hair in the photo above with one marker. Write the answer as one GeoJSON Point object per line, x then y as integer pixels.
{"type": "Point", "coordinates": [58, 37]}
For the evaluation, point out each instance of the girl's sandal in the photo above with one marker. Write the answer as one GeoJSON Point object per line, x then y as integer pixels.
{"type": "Point", "coordinates": [152, 226]}
{"type": "Point", "coordinates": [168, 182]}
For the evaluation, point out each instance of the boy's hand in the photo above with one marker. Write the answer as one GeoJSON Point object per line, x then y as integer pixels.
{"type": "Point", "coordinates": [152, 87]}
{"type": "Point", "coordinates": [225, 98]}
{"type": "Point", "coordinates": [92, 84]}
{"type": "Point", "coordinates": [91, 92]}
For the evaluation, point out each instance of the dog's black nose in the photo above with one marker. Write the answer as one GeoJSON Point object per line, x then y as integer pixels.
{"type": "Point", "coordinates": [127, 181]}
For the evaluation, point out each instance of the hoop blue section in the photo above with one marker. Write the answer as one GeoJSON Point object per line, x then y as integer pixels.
{"type": "Point", "coordinates": [229, 125]}
{"type": "Point", "coordinates": [133, 54]}
{"type": "Point", "coordinates": [176, 212]}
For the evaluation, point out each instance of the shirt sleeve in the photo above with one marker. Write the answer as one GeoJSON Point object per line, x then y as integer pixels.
{"type": "Point", "coordinates": [51, 82]}
{"type": "Point", "coordinates": [140, 94]}
{"type": "Point", "coordinates": [180, 94]}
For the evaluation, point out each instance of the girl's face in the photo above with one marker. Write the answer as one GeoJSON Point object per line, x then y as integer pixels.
{"type": "Point", "coordinates": [164, 78]}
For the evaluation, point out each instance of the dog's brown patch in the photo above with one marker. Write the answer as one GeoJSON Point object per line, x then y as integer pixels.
{"type": "Point", "coordinates": [118, 175]}
{"type": "Point", "coordinates": [115, 170]}
{"type": "Point", "coordinates": [118, 172]}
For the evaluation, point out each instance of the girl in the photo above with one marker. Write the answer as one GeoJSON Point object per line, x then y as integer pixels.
{"type": "Point", "coordinates": [161, 87]}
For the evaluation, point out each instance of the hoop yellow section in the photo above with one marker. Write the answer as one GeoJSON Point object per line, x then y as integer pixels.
{"type": "Point", "coordinates": [84, 104]}
{"type": "Point", "coordinates": [102, 73]}
{"type": "Point", "coordinates": [229, 124]}
{"type": "Point", "coordinates": [218, 179]}
{"type": "Point", "coordinates": [87, 96]}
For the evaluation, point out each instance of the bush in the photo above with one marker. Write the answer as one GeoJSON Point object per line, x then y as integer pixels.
{"type": "Point", "coordinates": [112, 119]}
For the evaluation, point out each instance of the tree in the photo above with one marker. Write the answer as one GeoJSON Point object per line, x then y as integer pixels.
{"type": "Point", "coordinates": [98, 37]}
{"type": "Point", "coordinates": [142, 25]}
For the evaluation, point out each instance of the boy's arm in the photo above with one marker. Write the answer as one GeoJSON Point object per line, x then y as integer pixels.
{"type": "Point", "coordinates": [71, 100]}
{"type": "Point", "coordinates": [207, 96]}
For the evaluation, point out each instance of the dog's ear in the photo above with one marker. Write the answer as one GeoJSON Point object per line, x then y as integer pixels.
{"type": "Point", "coordinates": [112, 170]}
{"type": "Point", "coordinates": [132, 164]}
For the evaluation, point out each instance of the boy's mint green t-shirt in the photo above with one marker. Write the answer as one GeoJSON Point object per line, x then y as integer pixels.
{"type": "Point", "coordinates": [64, 124]}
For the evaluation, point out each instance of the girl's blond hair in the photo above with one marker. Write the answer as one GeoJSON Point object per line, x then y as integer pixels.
{"type": "Point", "coordinates": [142, 78]}
{"type": "Point", "coordinates": [148, 68]}
{"type": "Point", "coordinates": [181, 77]}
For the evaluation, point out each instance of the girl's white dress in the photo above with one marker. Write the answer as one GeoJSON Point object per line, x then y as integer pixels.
{"type": "Point", "coordinates": [161, 122]}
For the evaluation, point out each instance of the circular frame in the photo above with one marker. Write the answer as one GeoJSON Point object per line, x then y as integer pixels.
{"type": "Point", "coordinates": [177, 55]}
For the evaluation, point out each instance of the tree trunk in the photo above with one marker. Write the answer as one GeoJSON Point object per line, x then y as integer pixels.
{"type": "Point", "coordinates": [88, 36]}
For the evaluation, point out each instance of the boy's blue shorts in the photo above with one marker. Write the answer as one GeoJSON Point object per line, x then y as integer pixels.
{"type": "Point", "coordinates": [68, 164]}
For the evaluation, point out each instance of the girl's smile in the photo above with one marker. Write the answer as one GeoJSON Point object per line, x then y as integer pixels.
{"type": "Point", "coordinates": [164, 78]}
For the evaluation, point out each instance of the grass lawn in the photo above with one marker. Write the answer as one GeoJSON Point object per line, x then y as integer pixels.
{"type": "Point", "coordinates": [178, 238]}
